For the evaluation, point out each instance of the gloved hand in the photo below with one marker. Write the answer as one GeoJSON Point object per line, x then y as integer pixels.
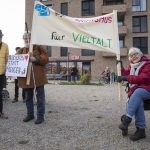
{"type": "Point", "coordinates": [117, 61]}
{"type": "Point", "coordinates": [122, 78]}
{"type": "Point", "coordinates": [32, 59]}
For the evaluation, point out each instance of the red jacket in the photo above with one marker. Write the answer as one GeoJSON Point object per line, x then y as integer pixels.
{"type": "Point", "coordinates": [143, 78]}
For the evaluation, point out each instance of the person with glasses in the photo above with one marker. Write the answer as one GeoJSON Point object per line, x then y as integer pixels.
{"type": "Point", "coordinates": [138, 76]}
{"type": "Point", "coordinates": [4, 52]}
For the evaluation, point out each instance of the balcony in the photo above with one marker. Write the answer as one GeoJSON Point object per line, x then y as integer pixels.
{"type": "Point", "coordinates": [122, 31]}
{"type": "Point", "coordinates": [121, 9]}
{"type": "Point", "coordinates": [123, 53]}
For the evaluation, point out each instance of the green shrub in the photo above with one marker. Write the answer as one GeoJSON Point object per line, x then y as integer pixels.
{"type": "Point", "coordinates": [85, 79]}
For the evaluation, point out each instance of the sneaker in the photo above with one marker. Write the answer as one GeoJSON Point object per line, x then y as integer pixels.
{"type": "Point", "coordinates": [15, 100]}
{"type": "Point", "coordinates": [3, 116]}
{"type": "Point", "coordinates": [39, 120]}
{"type": "Point", "coordinates": [28, 118]}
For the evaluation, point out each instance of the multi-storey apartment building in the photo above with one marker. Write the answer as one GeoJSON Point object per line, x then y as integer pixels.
{"type": "Point", "coordinates": [133, 27]}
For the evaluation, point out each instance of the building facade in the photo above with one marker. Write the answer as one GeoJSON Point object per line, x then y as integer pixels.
{"type": "Point", "coordinates": [133, 27]}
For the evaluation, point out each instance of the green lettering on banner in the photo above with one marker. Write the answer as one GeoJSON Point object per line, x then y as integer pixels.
{"type": "Point", "coordinates": [75, 38]}
{"type": "Point", "coordinates": [95, 41]}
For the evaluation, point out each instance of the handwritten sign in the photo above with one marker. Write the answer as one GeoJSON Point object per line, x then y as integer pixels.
{"type": "Point", "coordinates": [17, 65]}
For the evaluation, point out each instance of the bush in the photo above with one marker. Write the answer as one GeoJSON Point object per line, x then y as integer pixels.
{"type": "Point", "coordinates": [85, 79]}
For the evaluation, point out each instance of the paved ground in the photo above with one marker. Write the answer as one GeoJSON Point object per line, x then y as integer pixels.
{"type": "Point", "coordinates": [78, 117]}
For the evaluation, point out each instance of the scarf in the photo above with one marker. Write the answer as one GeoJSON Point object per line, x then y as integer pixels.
{"type": "Point", "coordinates": [135, 70]}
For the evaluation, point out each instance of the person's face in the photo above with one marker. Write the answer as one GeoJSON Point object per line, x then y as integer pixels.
{"type": "Point", "coordinates": [1, 38]}
{"type": "Point", "coordinates": [134, 57]}
{"type": "Point", "coordinates": [26, 39]}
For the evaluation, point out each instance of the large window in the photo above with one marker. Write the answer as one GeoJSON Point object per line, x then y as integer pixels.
{"type": "Point", "coordinates": [139, 5]}
{"type": "Point", "coordinates": [88, 8]}
{"type": "Point", "coordinates": [64, 9]}
{"type": "Point", "coordinates": [63, 51]}
{"type": "Point", "coordinates": [141, 43]}
{"type": "Point", "coordinates": [48, 49]}
{"type": "Point", "coordinates": [86, 52]}
{"type": "Point", "coordinates": [139, 24]}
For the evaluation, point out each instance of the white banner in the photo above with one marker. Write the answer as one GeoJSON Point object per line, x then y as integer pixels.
{"type": "Point", "coordinates": [17, 65]}
{"type": "Point", "coordinates": [54, 29]}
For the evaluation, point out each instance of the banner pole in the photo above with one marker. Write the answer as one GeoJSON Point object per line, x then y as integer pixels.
{"type": "Point", "coordinates": [117, 53]}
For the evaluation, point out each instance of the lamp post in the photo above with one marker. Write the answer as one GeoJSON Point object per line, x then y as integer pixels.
{"type": "Point", "coordinates": [68, 66]}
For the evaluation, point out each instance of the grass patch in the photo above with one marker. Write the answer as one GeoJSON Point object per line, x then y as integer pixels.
{"type": "Point", "coordinates": [52, 111]}
{"type": "Point", "coordinates": [79, 83]}
{"type": "Point", "coordinates": [23, 142]}
{"type": "Point", "coordinates": [99, 117]}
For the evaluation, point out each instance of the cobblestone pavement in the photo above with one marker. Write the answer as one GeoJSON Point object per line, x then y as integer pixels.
{"type": "Point", "coordinates": [78, 117]}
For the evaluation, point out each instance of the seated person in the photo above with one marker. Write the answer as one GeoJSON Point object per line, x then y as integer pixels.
{"type": "Point", "coordinates": [138, 76]}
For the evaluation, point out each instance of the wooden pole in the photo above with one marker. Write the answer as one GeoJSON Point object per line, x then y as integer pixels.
{"type": "Point", "coordinates": [117, 52]}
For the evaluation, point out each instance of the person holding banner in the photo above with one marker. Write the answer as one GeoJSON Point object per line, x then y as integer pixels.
{"type": "Point", "coordinates": [138, 76]}
{"type": "Point", "coordinates": [38, 79]}
{"type": "Point", "coordinates": [4, 52]}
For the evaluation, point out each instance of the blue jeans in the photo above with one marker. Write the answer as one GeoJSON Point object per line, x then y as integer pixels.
{"type": "Point", "coordinates": [74, 78]}
{"type": "Point", "coordinates": [40, 101]}
{"type": "Point", "coordinates": [136, 106]}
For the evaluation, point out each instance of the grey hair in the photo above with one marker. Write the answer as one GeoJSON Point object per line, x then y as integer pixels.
{"type": "Point", "coordinates": [25, 33]}
{"type": "Point", "coordinates": [135, 49]}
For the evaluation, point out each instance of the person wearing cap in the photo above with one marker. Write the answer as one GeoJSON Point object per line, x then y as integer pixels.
{"type": "Point", "coordinates": [39, 58]}
{"type": "Point", "coordinates": [4, 52]}
{"type": "Point", "coordinates": [138, 76]}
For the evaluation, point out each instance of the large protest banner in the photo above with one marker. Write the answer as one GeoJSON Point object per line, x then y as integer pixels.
{"type": "Point", "coordinates": [52, 28]}
{"type": "Point", "coordinates": [17, 65]}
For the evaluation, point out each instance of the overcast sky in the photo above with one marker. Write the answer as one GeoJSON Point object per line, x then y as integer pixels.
{"type": "Point", "coordinates": [12, 22]}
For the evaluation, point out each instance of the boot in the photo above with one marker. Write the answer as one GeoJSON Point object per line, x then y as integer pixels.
{"type": "Point", "coordinates": [3, 116]}
{"type": "Point", "coordinates": [139, 134]}
{"type": "Point", "coordinates": [28, 118]}
{"type": "Point", "coordinates": [15, 100]}
{"type": "Point", "coordinates": [125, 123]}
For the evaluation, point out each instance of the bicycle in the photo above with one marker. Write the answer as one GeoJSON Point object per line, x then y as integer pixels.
{"type": "Point", "coordinates": [104, 80]}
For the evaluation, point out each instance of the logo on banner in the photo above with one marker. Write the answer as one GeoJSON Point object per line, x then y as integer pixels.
{"type": "Point", "coordinates": [43, 10]}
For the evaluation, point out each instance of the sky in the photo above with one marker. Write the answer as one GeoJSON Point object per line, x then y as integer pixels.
{"type": "Point", "coordinates": [12, 23]}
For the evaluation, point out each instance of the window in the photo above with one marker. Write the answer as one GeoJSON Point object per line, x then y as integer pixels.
{"type": "Point", "coordinates": [88, 8]}
{"type": "Point", "coordinates": [64, 9]}
{"type": "Point", "coordinates": [48, 49]}
{"type": "Point", "coordinates": [112, 2]}
{"type": "Point", "coordinates": [141, 43]}
{"type": "Point", "coordinates": [120, 23]}
{"type": "Point", "coordinates": [139, 24]}
{"type": "Point", "coordinates": [121, 43]}
{"type": "Point", "coordinates": [139, 5]}
{"type": "Point", "coordinates": [86, 52]}
{"type": "Point", "coordinates": [49, 6]}
{"type": "Point", "coordinates": [63, 51]}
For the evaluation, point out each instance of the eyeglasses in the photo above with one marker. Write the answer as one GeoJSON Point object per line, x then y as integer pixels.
{"type": "Point", "coordinates": [133, 55]}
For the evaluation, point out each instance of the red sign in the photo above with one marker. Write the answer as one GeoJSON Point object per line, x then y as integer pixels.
{"type": "Point", "coordinates": [75, 57]}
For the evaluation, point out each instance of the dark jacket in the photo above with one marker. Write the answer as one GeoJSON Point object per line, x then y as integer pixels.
{"type": "Point", "coordinates": [38, 67]}
{"type": "Point", "coordinates": [74, 71]}
{"type": "Point", "coordinates": [143, 78]}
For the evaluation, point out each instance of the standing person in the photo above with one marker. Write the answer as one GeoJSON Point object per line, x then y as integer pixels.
{"type": "Point", "coordinates": [39, 59]}
{"type": "Point", "coordinates": [4, 52]}
{"type": "Point", "coordinates": [17, 88]}
{"type": "Point", "coordinates": [74, 73]}
{"type": "Point", "coordinates": [138, 76]}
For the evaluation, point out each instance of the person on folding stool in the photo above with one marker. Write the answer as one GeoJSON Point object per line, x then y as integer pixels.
{"type": "Point", "coordinates": [138, 76]}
